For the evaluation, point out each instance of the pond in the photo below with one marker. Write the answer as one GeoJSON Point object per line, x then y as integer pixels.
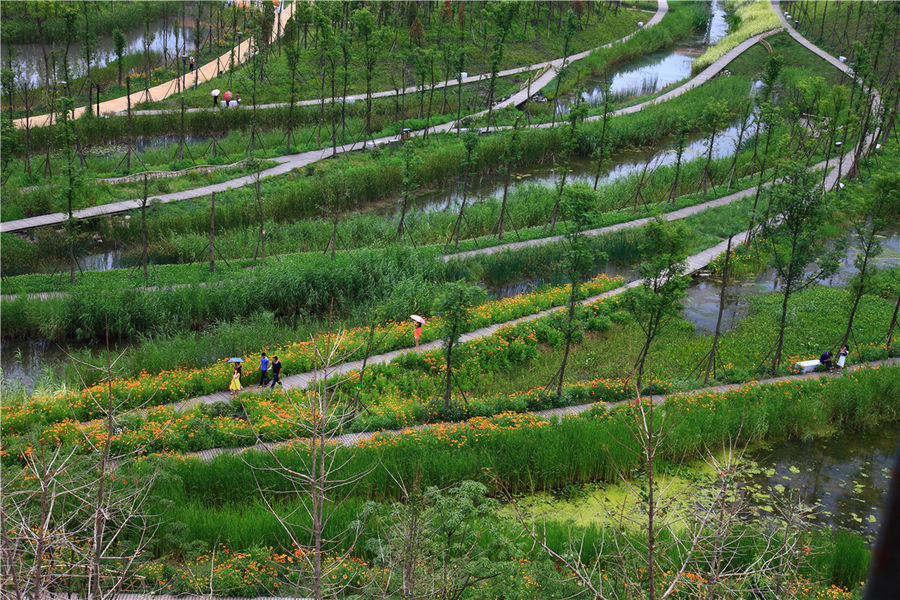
{"type": "Point", "coordinates": [652, 73]}
{"type": "Point", "coordinates": [582, 170]}
{"type": "Point", "coordinates": [701, 302]}
{"type": "Point", "coordinates": [844, 479]}
{"type": "Point", "coordinates": [29, 58]}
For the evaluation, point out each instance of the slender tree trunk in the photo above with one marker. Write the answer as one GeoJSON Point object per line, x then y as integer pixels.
{"type": "Point", "coordinates": [144, 249]}
{"type": "Point", "coordinates": [781, 323]}
{"type": "Point", "coordinates": [503, 202]}
{"type": "Point", "coordinates": [890, 333]}
{"type": "Point", "coordinates": [715, 343]}
{"type": "Point", "coordinates": [562, 368]}
{"type": "Point", "coordinates": [212, 234]}
{"type": "Point", "coordinates": [448, 389]}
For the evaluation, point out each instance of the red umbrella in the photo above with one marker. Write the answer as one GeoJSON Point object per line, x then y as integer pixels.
{"type": "Point", "coordinates": [227, 96]}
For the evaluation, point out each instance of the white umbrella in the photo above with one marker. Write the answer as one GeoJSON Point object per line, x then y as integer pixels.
{"type": "Point", "coordinates": [215, 92]}
{"type": "Point", "coordinates": [417, 318]}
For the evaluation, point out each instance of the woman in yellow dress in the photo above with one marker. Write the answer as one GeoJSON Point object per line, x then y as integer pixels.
{"type": "Point", "coordinates": [235, 385]}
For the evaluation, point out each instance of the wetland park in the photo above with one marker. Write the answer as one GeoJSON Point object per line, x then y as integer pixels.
{"type": "Point", "coordinates": [453, 300]}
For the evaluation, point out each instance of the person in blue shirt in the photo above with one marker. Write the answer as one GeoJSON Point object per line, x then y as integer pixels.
{"type": "Point", "coordinates": [263, 370]}
{"type": "Point", "coordinates": [276, 371]}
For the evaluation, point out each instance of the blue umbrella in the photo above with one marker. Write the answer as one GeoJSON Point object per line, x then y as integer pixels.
{"type": "Point", "coordinates": [237, 359]}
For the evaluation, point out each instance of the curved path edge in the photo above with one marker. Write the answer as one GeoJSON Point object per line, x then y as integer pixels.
{"type": "Point", "coordinates": [288, 162]}
{"type": "Point", "coordinates": [202, 74]}
{"type": "Point", "coordinates": [351, 439]}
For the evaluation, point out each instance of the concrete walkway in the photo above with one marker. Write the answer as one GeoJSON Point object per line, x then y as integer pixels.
{"type": "Point", "coordinates": [287, 163]}
{"type": "Point", "coordinates": [552, 415]}
{"type": "Point", "coordinates": [303, 380]}
{"type": "Point", "coordinates": [199, 75]}
{"type": "Point", "coordinates": [516, 99]}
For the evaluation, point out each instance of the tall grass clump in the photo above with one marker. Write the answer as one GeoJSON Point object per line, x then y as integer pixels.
{"type": "Point", "coordinates": [530, 454]}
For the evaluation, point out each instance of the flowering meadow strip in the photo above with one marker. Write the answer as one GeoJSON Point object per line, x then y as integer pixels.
{"type": "Point", "coordinates": [180, 384]}
{"type": "Point", "coordinates": [248, 573]}
{"type": "Point", "coordinates": [271, 418]}
{"type": "Point", "coordinates": [528, 454]}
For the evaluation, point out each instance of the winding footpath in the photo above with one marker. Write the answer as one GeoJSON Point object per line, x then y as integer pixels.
{"type": "Point", "coordinates": [692, 265]}
{"type": "Point", "coordinates": [290, 162]}
{"type": "Point", "coordinates": [552, 414]}
{"type": "Point", "coordinates": [552, 66]}
{"type": "Point", "coordinates": [204, 73]}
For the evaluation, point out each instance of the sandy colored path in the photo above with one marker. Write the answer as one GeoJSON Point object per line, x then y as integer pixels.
{"type": "Point", "coordinates": [199, 75]}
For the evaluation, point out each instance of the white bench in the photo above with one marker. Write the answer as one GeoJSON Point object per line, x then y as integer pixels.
{"type": "Point", "coordinates": [807, 366]}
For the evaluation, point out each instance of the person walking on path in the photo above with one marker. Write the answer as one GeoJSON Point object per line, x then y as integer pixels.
{"type": "Point", "coordinates": [842, 357]}
{"type": "Point", "coordinates": [263, 370]}
{"type": "Point", "coordinates": [235, 385]}
{"type": "Point", "coordinates": [192, 63]}
{"type": "Point", "coordinates": [417, 331]}
{"type": "Point", "coordinates": [276, 371]}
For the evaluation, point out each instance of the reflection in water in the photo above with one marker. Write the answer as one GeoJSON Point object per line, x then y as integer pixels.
{"type": "Point", "coordinates": [648, 75]}
{"type": "Point", "coordinates": [623, 164]}
{"type": "Point", "coordinates": [845, 478]}
{"type": "Point", "coordinates": [652, 73]}
{"type": "Point", "coordinates": [30, 59]}
{"type": "Point", "coordinates": [612, 269]}
{"type": "Point", "coordinates": [701, 303]}
{"type": "Point", "coordinates": [25, 361]}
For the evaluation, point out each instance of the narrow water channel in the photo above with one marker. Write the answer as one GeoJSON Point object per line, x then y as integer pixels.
{"type": "Point", "coordinates": [29, 58]}
{"type": "Point", "coordinates": [701, 302]}
{"type": "Point", "coordinates": [652, 73]}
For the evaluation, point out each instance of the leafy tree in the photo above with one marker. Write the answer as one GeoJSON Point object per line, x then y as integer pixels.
{"type": "Point", "coordinates": [571, 28]}
{"type": "Point", "coordinates": [657, 299]}
{"type": "Point", "coordinates": [872, 212]}
{"type": "Point", "coordinates": [470, 140]}
{"type": "Point", "coordinates": [601, 151]}
{"type": "Point", "coordinates": [793, 234]}
{"type": "Point", "coordinates": [454, 306]}
{"type": "Point", "coordinates": [680, 142]}
{"type": "Point", "coordinates": [564, 157]}
{"type": "Point", "coordinates": [438, 543]}
{"type": "Point", "coordinates": [503, 15]}
{"type": "Point", "coordinates": [364, 23]}
{"type": "Point", "coordinates": [713, 117]}
{"type": "Point", "coordinates": [73, 177]}
{"type": "Point", "coordinates": [577, 205]}
{"type": "Point", "coordinates": [119, 46]}
{"type": "Point", "coordinates": [417, 32]}
{"type": "Point", "coordinates": [512, 154]}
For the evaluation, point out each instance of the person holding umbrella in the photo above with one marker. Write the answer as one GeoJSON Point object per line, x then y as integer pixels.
{"type": "Point", "coordinates": [215, 97]}
{"type": "Point", "coordinates": [417, 332]}
{"type": "Point", "coordinates": [235, 385]}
